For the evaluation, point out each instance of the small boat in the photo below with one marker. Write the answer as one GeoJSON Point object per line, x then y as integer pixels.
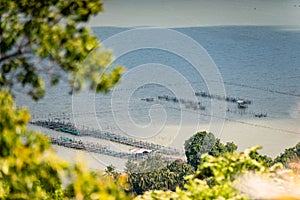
{"type": "Point", "coordinates": [241, 104]}
{"type": "Point", "coordinates": [260, 115]}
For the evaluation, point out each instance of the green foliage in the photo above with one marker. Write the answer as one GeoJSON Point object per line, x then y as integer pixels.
{"type": "Point", "coordinates": [30, 170]}
{"type": "Point", "coordinates": [112, 172]}
{"type": "Point", "coordinates": [152, 163]}
{"type": "Point", "coordinates": [198, 144]}
{"type": "Point", "coordinates": [203, 142]}
{"type": "Point", "coordinates": [215, 178]}
{"type": "Point", "coordinates": [181, 169]}
{"type": "Point", "coordinates": [230, 147]}
{"type": "Point", "coordinates": [225, 168]}
{"type": "Point", "coordinates": [47, 37]}
{"type": "Point", "coordinates": [266, 160]}
{"type": "Point", "coordinates": [289, 155]}
{"type": "Point", "coordinates": [92, 185]}
{"type": "Point", "coordinates": [121, 179]}
{"type": "Point", "coordinates": [158, 177]}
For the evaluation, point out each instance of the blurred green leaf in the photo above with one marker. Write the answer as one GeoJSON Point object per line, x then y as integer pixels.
{"type": "Point", "coordinates": [52, 31]}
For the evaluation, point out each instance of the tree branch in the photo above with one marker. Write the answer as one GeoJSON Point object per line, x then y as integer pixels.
{"type": "Point", "coordinates": [19, 51]}
{"type": "Point", "coordinates": [10, 56]}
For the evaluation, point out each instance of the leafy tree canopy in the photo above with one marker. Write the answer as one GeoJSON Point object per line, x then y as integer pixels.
{"type": "Point", "coordinates": [289, 155]}
{"type": "Point", "coordinates": [48, 37]}
{"type": "Point", "coordinates": [157, 176]}
{"type": "Point", "coordinates": [30, 170]}
{"type": "Point", "coordinates": [216, 178]}
{"type": "Point", "coordinates": [203, 142]}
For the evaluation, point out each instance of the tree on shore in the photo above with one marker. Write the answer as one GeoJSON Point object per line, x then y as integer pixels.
{"type": "Point", "coordinates": [203, 142]}
{"type": "Point", "coordinates": [154, 174]}
{"type": "Point", "coordinates": [233, 175]}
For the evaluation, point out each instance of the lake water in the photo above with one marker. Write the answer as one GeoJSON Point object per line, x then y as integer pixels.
{"type": "Point", "coordinates": [259, 63]}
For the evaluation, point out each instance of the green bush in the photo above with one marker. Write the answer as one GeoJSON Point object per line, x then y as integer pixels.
{"type": "Point", "coordinates": [29, 169]}
{"type": "Point", "coordinates": [215, 178]}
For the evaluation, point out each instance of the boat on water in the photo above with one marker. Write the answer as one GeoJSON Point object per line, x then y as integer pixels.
{"type": "Point", "coordinates": [241, 104]}
{"type": "Point", "coordinates": [260, 115]}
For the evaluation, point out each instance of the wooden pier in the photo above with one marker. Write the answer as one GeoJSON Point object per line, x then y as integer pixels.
{"type": "Point", "coordinates": [105, 135]}
{"type": "Point", "coordinates": [92, 147]}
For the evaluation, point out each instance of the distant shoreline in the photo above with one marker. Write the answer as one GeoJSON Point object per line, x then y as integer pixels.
{"type": "Point", "coordinates": [295, 27]}
{"type": "Point", "coordinates": [173, 13]}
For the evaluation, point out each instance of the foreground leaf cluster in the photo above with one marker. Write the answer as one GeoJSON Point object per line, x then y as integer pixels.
{"type": "Point", "coordinates": [40, 39]}
{"type": "Point", "coordinates": [215, 178]}
{"type": "Point", "coordinates": [29, 169]}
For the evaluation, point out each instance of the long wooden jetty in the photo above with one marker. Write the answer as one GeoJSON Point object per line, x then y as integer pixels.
{"type": "Point", "coordinates": [101, 149]}
{"type": "Point", "coordinates": [71, 129]}
{"type": "Point", "coordinates": [91, 147]}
